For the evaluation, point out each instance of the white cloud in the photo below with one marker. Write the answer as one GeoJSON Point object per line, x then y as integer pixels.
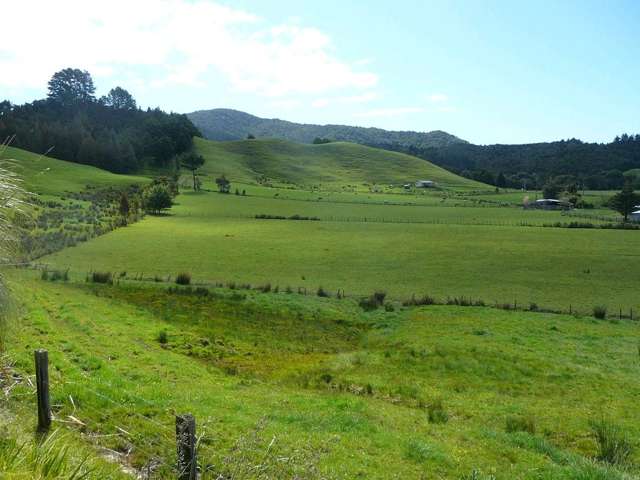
{"type": "Point", "coordinates": [179, 41]}
{"type": "Point", "coordinates": [438, 98]}
{"type": "Point", "coordinates": [388, 112]}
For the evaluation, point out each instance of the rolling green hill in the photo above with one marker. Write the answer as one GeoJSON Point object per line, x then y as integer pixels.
{"type": "Point", "coordinates": [48, 176]}
{"type": "Point", "coordinates": [332, 164]}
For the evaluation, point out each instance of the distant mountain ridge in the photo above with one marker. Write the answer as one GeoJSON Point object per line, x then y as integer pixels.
{"type": "Point", "coordinates": [226, 124]}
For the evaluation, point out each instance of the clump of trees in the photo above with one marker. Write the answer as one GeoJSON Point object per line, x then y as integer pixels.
{"type": "Point", "coordinates": [321, 140]}
{"type": "Point", "coordinates": [110, 132]}
{"type": "Point", "coordinates": [625, 201]}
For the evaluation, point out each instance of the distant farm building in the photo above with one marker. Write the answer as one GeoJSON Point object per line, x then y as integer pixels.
{"type": "Point", "coordinates": [635, 216]}
{"type": "Point", "coordinates": [551, 204]}
{"type": "Point", "coordinates": [425, 184]}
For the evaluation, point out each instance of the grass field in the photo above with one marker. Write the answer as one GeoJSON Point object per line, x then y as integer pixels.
{"type": "Point", "coordinates": [479, 252]}
{"type": "Point", "coordinates": [332, 165]}
{"type": "Point", "coordinates": [303, 386]}
{"type": "Point", "coordinates": [50, 177]}
{"type": "Point", "coordinates": [412, 393]}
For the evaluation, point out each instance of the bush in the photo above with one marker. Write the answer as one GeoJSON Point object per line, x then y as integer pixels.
{"type": "Point", "coordinates": [102, 277]}
{"type": "Point", "coordinates": [424, 300]}
{"type": "Point", "coordinates": [437, 413]}
{"type": "Point", "coordinates": [183, 278]}
{"type": "Point", "coordinates": [614, 443]}
{"type": "Point", "coordinates": [322, 292]}
{"type": "Point", "coordinates": [163, 337]}
{"type": "Point", "coordinates": [520, 424]}
{"type": "Point", "coordinates": [600, 312]}
{"type": "Point", "coordinates": [373, 302]}
{"type": "Point", "coordinates": [157, 198]}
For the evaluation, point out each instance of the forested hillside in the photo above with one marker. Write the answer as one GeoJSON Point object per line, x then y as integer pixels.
{"type": "Point", "coordinates": [110, 132]}
{"type": "Point", "coordinates": [594, 166]}
{"type": "Point", "coordinates": [226, 124]}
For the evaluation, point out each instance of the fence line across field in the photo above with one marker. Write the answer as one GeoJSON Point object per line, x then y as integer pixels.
{"type": "Point", "coordinates": [239, 286]}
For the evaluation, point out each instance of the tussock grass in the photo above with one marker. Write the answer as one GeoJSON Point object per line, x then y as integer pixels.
{"type": "Point", "coordinates": [12, 207]}
{"type": "Point", "coordinates": [51, 458]}
{"type": "Point", "coordinates": [614, 442]}
{"type": "Point", "coordinates": [520, 424]}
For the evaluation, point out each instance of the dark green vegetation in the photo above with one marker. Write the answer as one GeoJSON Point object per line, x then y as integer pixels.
{"type": "Point", "coordinates": [225, 124]}
{"type": "Point", "coordinates": [593, 166]}
{"type": "Point", "coordinates": [110, 133]}
{"type": "Point", "coordinates": [571, 162]}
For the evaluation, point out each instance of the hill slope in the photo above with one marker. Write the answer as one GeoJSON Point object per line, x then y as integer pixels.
{"type": "Point", "coordinates": [336, 163]}
{"type": "Point", "coordinates": [226, 124]}
{"type": "Point", "coordinates": [49, 176]}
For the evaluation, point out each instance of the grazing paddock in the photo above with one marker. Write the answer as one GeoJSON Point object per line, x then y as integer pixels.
{"type": "Point", "coordinates": [476, 252]}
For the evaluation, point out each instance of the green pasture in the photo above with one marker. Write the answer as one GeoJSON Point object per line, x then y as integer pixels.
{"type": "Point", "coordinates": [50, 177]}
{"type": "Point", "coordinates": [478, 252]}
{"type": "Point", "coordinates": [410, 393]}
{"type": "Point", "coordinates": [329, 166]}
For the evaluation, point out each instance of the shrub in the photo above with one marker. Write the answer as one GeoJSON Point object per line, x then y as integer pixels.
{"type": "Point", "coordinates": [163, 337]}
{"type": "Point", "coordinates": [379, 297]}
{"type": "Point", "coordinates": [373, 302]}
{"type": "Point", "coordinates": [102, 277]}
{"type": "Point", "coordinates": [322, 292]}
{"type": "Point", "coordinates": [424, 300]}
{"type": "Point", "coordinates": [437, 413]}
{"type": "Point", "coordinates": [183, 278]}
{"type": "Point", "coordinates": [600, 312]}
{"type": "Point", "coordinates": [520, 424]}
{"type": "Point", "coordinates": [614, 443]}
{"type": "Point", "coordinates": [156, 199]}
{"type": "Point", "coordinates": [266, 288]}
{"type": "Point", "coordinates": [388, 307]}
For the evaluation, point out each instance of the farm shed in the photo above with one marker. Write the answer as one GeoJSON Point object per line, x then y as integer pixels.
{"type": "Point", "coordinates": [425, 184]}
{"type": "Point", "coordinates": [551, 204]}
{"type": "Point", "coordinates": [635, 216]}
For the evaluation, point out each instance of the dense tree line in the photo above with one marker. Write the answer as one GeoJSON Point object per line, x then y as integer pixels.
{"type": "Point", "coordinates": [589, 165]}
{"type": "Point", "coordinates": [110, 132]}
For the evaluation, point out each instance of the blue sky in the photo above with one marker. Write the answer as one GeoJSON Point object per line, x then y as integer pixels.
{"type": "Point", "coordinates": [488, 72]}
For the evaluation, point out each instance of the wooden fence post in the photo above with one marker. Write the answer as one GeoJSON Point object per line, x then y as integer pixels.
{"type": "Point", "coordinates": [42, 384]}
{"type": "Point", "coordinates": [186, 440]}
